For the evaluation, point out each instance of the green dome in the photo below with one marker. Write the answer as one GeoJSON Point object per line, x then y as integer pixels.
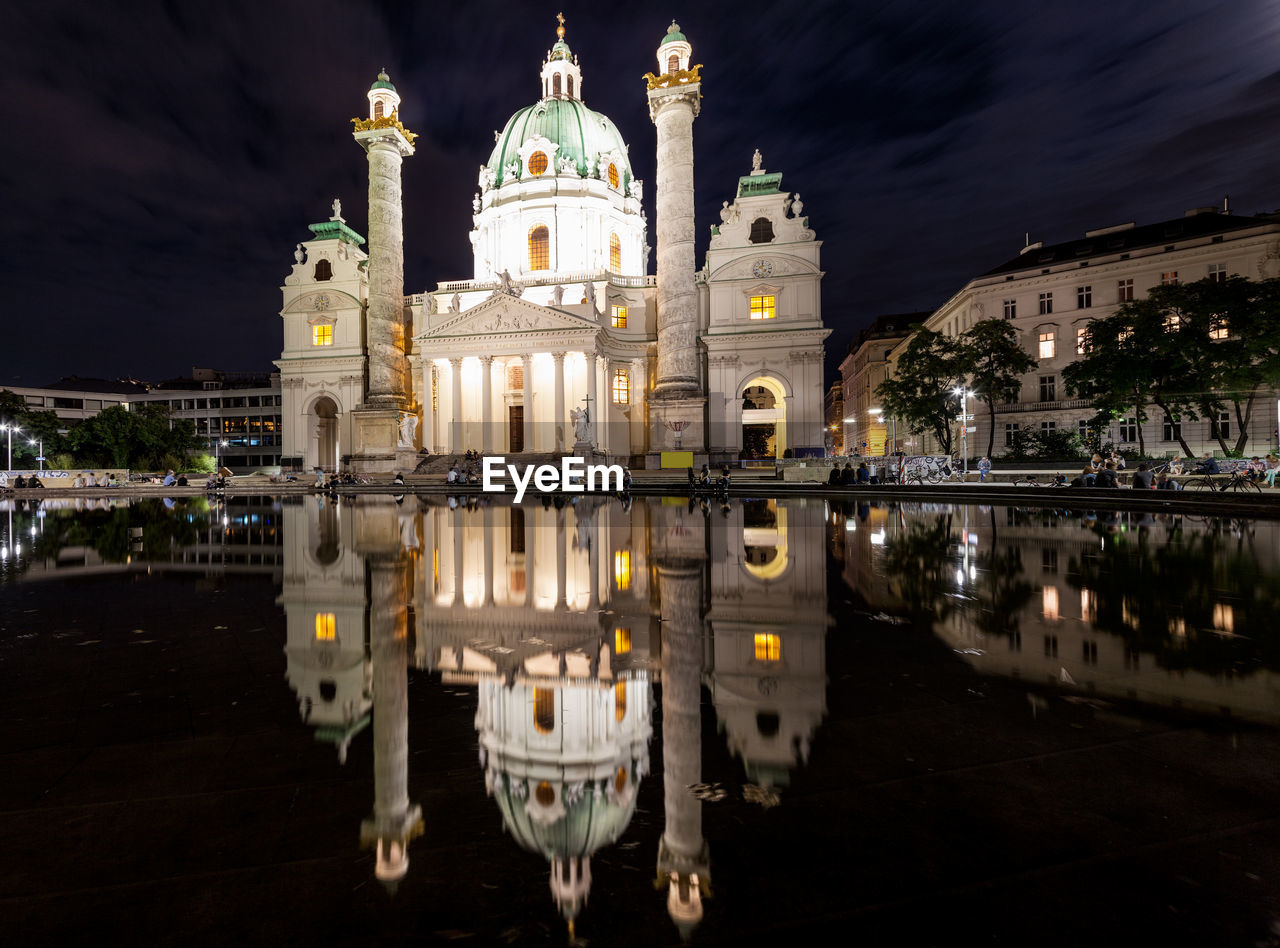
{"type": "Point", "coordinates": [582, 134]}
{"type": "Point", "coordinates": [561, 51]}
{"type": "Point", "coordinates": [585, 827]}
{"type": "Point", "coordinates": [673, 35]}
{"type": "Point", "coordinates": [382, 82]}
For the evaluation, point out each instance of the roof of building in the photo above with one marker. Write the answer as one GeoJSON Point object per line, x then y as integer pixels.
{"type": "Point", "coordinates": [1108, 241]}
{"type": "Point", "coordinates": [582, 134]}
{"type": "Point", "coordinates": [673, 35]}
{"type": "Point", "coordinates": [888, 326]}
{"type": "Point", "coordinates": [74, 383]}
{"type": "Point", "coordinates": [382, 82]}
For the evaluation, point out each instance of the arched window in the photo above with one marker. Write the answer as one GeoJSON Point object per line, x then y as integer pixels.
{"type": "Point", "coordinates": [620, 701]}
{"type": "Point", "coordinates": [377, 109]}
{"type": "Point", "coordinates": [570, 81]}
{"type": "Point", "coordinates": [545, 794]}
{"type": "Point", "coordinates": [761, 231]}
{"type": "Point", "coordinates": [544, 710]}
{"type": "Point", "coordinates": [323, 270]}
{"type": "Point", "coordinates": [540, 248]}
{"type": "Point", "coordinates": [537, 163]}
{"type": "Point", "coordinates": [673, 64]}
{"type": "Point", "coordinates": [613, 176]}
{"type": "Point", "coordinates": [555, 84]}
{"type": "Point", "coordinates": [615, 250]}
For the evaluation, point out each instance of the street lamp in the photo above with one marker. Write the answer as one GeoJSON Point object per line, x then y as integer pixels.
{"type": "Point", "coordinates": [964, 394]}
{"type": "Point", "coordinates": [40, 453]}
{"type": "Point", "coordinates": [11, 428]}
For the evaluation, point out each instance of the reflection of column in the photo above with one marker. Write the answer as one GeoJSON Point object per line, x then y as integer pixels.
{"type": "Point", "coordinates": [557, 425]}
{"type": "Point", "coordinates": [457, 557]}
{"type": "Point", "coordinates": [560, 564]}
{"type": "Point", "coordinates": [593, 557]}
{"type": "Point", "coordinates": [530, 553]}
{"type": "Point", "coordinates": [488, 556]}
{"type": "Point", "coordinates": [593, 406]}
{"type": "Point", "coordinates": [395, 821]}
{"type": "Point", "coordinates": [528, 404]}
{"type": "Point", "coordinates": [486, 403]}
{"type": "Point", "coordinates": [455, 406]}
{"type": "Point", "coordinates": [683, 858]}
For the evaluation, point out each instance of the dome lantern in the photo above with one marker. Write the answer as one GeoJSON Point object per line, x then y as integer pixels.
{"type": "Point", "coordinates": [384, 101]}
{"type": "Point", "coordinates": [674, 52]}
{"type": "Point", "coordinates": [561, 78]}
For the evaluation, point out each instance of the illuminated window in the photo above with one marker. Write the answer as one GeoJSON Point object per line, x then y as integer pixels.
{"type": "Point", "coordinates": [1046, 343]}
{"type": "Point", "coordinates": [768, 647]}
{"type": "Point", "coordinates": [323, 270]}
{"type": "Point", "coordinates": [619, 317]}
{"type": "Point", "coordinates": [764, 307]}
{"type": "Point", "coordinates": [1172, 322]}
{"type": "Point", "coordinates": [1218, 328]}
{"type": "Point", "coordinates": [621, 387]}
{"type": "Point", "coordinates": [1124, 291]}
{"type": "Point", "coordinates": [322, 335]}
{"type": "Point", "coordinates": [377, 109]}
{"type": "Point", "coordinates": [544, 710]}
{"type": "Point", "coordinates": [621, 641]}
{"type": "Point", "coordinates": [326, 626]}
{"type": "Point", "coordinates": [615, 246]}
{"type": "Point", "coordinates": [620, 701]}
{"type": "Point", "coordinates": [540, 248]}
{"type": "Point", "coordinates": [622, 569]}
{"type": "Point", "coordinates": [537, 163]}
{"type": "Point", "coordinates": [613, 176]}
{"type": "Point", "coordinates": [1082, 340]}
{"type": "Point", "coordinates": [761, 231]}
{"type": "Point", "coordinates": [1049, 602]}
{"type": "Point", "coordinates": [544, 794]}
{"type": "Point", "coordinates": [1169, 278]}
{"type": "Point", "coordinates": [673, 64]}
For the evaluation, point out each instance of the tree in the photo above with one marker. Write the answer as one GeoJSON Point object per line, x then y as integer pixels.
{"type": "Point", "coordinates": [922, 392]}
{"type": "Point", "coordinates": [995, 364]}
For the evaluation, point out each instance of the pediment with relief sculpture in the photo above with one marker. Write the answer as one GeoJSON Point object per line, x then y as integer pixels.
{"type": "Point", "coordinates": [506, 315]}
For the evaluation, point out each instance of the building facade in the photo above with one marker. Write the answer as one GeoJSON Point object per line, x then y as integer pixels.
{"type": "Point", "coordinates": [866, 429]}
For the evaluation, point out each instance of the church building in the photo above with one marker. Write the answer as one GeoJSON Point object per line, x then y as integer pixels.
{"type": "Point", "coordinates": [561, 341]}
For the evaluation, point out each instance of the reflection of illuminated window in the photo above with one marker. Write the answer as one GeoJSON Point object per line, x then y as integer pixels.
{"type": "Point", "coordinates": [621, 641]}
{"type": "Point", "coordinates": [1224, 617]}
{"type": "Point", "coordinates": [620, 780]}
{"type": "Point", "coordinates": [544, 710]}
{"type": "Point", "coordinates": [545, 795]}
{"type": "Point", "coordinates": [620, 700]}
{"type": "Point", "coordinates": [1178, 627]}
{"type": "Point", "coordinates": [622, 569]}
{"type": "Point", "coordinates": [1049, 602]}
{"type": "Point", "coordinates": [768, 647]}
{"type": "Point", "coordinates": [1088, 605]}
{"type": "Point", "coordinates": [516, 581]}
{"type": "Point", "coordinates": [326, 626]}
{"type": "Point", "coordinates": [435, 566]}
{"type": "Point", "coordinates": [1129, 613]}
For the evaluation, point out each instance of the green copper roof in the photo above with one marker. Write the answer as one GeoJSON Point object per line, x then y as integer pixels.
{"type": "Point", "coordinates": [673, 35]}
{"type": "Point", "coordinates": [582, 134]}
{"type": "Point", "coordinates": [561, 50]}
{"type": "Point", "coordinates": [382, 82]}
{"type": "Point", "coordinates": [335, 230]}
{"type": "Point", "coordinates": [750, 185]}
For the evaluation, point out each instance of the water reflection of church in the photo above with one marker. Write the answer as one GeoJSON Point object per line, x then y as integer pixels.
{"type": "Point", "coordinates": [563, 619]}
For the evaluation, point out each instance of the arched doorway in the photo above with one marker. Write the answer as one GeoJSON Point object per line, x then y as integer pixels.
{"type": "Point", "coordinates": [764, 419]}
{"type": "Point", "coordinates": [325, 433]}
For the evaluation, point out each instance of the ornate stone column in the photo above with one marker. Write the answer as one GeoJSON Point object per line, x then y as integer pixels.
{"type": "Point", "coordinates": [675, 98]}
{"type": "Point", "coordinates": [428, 406]}
{"type": "Point", "coordinates": [486, 403]}
{"type": "Point", "coordinates": [377, 420]}
{"type": "Point", "coordinates": [455, 406]}
{"type": "Point", "coordinates": [557, 428]}
{"type": "Point", "coordinates": [593, 403]}
{"type": "Point", "coordinates": [529, 446]}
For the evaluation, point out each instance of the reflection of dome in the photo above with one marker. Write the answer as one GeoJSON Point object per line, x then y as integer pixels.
{"type": "Point", "coordinates": [591, 821]}
{"type": "Point", "coordinates": [582, 134]}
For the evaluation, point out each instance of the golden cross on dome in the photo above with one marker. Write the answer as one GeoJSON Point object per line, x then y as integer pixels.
{"type": "Point", "coordinates": [560, 28]}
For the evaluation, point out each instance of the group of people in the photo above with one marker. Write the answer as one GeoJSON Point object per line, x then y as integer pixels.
{"type": "Point", "coordinates": [702, 479]}
{"type": "Point", "coordinates": [19, 482]}
{"type": "Point", "coordinates": [848, 476]}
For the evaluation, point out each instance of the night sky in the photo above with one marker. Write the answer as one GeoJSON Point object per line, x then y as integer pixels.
{"type": "Point", "coordinates": [161, 163]}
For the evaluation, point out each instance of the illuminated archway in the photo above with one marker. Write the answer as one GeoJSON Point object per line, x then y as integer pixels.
{"type": "Point", "coordinates": [764, 418]}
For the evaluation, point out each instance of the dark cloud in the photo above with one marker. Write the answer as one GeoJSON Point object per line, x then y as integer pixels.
{"type": "Point", "coordinates": [163, 159]}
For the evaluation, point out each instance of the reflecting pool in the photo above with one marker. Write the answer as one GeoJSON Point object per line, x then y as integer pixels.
{"type": "Point", "coordinates": [405, 719]}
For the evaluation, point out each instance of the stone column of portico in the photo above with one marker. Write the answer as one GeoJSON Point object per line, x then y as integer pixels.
{"type": "Point", "coordinates": [428, 407]}
{"type": "Point", "coordinates": [557, 428]}
{"type": "Point", "coordinates": [529, 446]}
{"type": "Point", "coordinates": [455, 406]}
{"type": "Point", "coordinates": [486, 404]}
{"type": "Point", "coordinates": [684, 861]}
{"type": "Point", "coordinates": [675, 99]}
{"type": "Point", "coordinates": [377, 419]}
{"type": "Point", "coordinates": [592, 403]}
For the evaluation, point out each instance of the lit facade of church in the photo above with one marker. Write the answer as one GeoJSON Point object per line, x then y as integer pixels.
{"type": "Point", "coordinates": [560, 314]}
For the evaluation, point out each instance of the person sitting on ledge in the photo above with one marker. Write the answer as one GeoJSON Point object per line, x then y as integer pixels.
{"type": "Point", "coordinates": [863, 475]}
{"type": "Point", "coordinates": [704, 476]}
{"type": "Point", "coordinates": [1107, 476]}
{"type": "Point", "coordinates": [454, 475]}
{"type": "Point", "coordinates": [1177, 466]}
{"type": "Point", "coordinates": [1208, 465]}
{"type": "Point", "coordinates": [1165, 482]}
{"type": "Point", "coordinates": [1084, 478]}
{"type": "Point", "coordinates": [833, 479]}
{"type": "Point", "coordinates": [19, 482]}
{"type": "Point", "coordinates": [34, 481]}
{"type": "Point", "coordinates": [398, 480]}
{"type": "Point", "coordinates": [181, 481]}
{"type": "Point", "coordinates": [693, 481]}
{"type": "Point", "coordinates": [723, 480]}
{"type": "Point", "coordinates": [1142, 478]}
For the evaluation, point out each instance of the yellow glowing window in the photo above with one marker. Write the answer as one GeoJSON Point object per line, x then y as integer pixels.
{"type": "Point", "coordinates": [322, 335]}
{"type": "Point", "coordinates": [613, 176]}
{"type": "Point", "coordinates": [621, 641]}
{"type": "Point", "coordinates": [1048, 344]}
{"type": "Point", "coordinates": [621, 387]}
{"type": "Point", "coordinates": [620, 701]}
{"type": "Point", "coordinates": [764, 307]}
{"type": "Point", "coordinates": [619, 317]}
{"type": "Point", "coordinates": [326, 627]}
{"type": "Point", "coordinates": [539, 248]}
{"type": "Point", "coordinates": [622, 569]}
{"type": "Point", "coordinates": [615, 253]}
{"type": "Point", "coordinates": [537, 163]}
{"type": "Point", "coordinates": [1218, 329]}
{"type": "Point", "coordinates": [544, 710]}
{"type": "Point", "coordinates": [768, 647]}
